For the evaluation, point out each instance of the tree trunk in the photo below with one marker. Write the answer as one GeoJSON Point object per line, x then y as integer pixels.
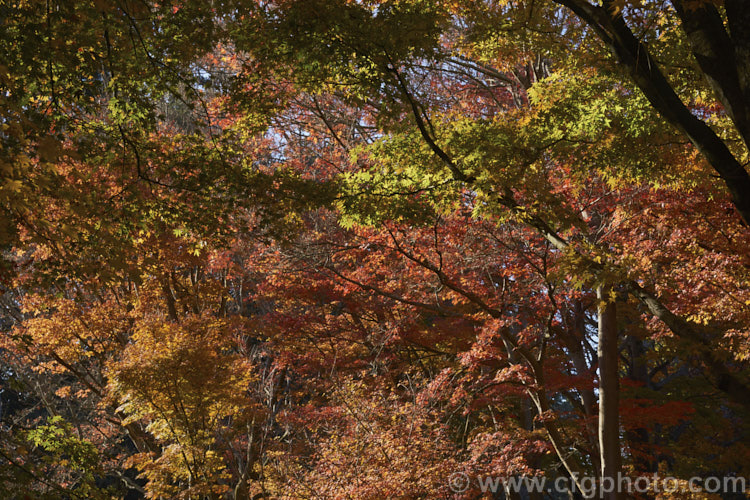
{"type": "Point", "coordinates": [609, 397]}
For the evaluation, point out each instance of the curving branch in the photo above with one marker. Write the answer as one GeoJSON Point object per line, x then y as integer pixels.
{"type": "Point", "coordinates": [710, 40]}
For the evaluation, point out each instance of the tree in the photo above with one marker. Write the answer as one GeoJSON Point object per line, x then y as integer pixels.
{"type": "Point", "coordinates": [720, 49]}
{"type": "Point", "coordinates": [440, 152]}
{"type": "Point", "coordinates": [263, 239]}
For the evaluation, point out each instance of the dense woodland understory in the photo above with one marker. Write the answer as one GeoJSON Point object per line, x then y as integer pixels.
{"type": "Point", "coordinates": [339, 249]}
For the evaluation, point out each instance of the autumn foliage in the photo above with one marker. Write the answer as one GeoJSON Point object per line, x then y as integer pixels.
{"type": "Point", "coordinates": [334, 249]}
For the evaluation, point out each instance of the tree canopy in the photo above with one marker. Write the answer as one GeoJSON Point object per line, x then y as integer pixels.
{"type": "Point", "coordinates": [349, 249]}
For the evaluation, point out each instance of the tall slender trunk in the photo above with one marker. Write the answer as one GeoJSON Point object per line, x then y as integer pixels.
{"type": "Point", "coordinates": [169, 298]}
{"type": "Point", "coordinates": [574, 337]}
{"type": "Point", "coordinates": [609, 397]}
